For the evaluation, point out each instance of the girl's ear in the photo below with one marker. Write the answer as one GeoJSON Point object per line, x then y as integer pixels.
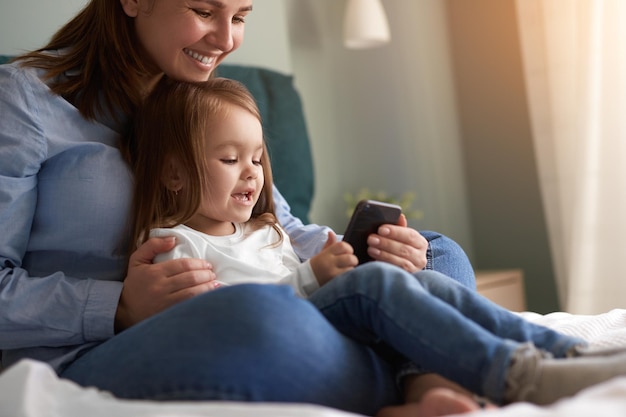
{"type": "Point", "coordinates": [174, 176]}
{"type": "Point", "coordinates": [131, 7]}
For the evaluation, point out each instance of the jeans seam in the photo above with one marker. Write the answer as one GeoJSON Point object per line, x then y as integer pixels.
{"type": "Point", "coordinates": [429, 258]}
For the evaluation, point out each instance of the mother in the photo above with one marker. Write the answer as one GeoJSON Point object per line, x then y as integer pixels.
{"type": "Point", "coordinates": [70, 298]}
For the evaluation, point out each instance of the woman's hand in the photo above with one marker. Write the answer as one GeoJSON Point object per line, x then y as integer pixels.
{"type": "Point", "coordinates": [150, 288]}
{"type": "Point", "coordinates": [334, 259]}
{"type": "Point", "coordinates": [399, 245]}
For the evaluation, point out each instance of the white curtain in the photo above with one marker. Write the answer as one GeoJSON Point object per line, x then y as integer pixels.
{"type": "Point", "coordinates": [574, 54]}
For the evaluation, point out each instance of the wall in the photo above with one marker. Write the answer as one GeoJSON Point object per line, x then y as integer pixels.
{"type": "Point", "coordinates": [267, 41]}
{"type": "Point", "coordinates": [383, 118]}
{"type": "Point", "coordinates": [28, 24]}
{"type": "Point", "coordinates": [505, 201]}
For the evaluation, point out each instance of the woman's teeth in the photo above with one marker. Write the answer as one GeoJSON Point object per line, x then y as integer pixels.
{"type": "Point", "coordinates": [200, 58]}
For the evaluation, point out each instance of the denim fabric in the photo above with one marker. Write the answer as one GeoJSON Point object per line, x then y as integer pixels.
{"type": "Point", "coordinates": [246, 342]}
{"type": "Point", "coordinates": [444, 255]}
{"type": "Point", "coordinates": [435, 322]}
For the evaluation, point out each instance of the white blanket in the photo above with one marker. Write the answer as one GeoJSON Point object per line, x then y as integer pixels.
{"type": "Point", "coordinates": [31, 389]}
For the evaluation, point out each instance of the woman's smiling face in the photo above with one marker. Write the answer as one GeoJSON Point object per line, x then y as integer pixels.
{"type": "Point", "coordinates": [187, 39]}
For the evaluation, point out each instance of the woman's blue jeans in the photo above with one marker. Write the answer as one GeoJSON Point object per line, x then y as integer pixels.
{"type": "Point", "coordinates": [248, 342]}
{"type": "Point", "coordinates": [253, 343]}
{"type": "Point", "coordinates": [445, 256]}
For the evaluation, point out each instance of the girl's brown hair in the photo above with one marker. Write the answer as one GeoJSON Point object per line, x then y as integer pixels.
{"type": "Point", "coordinates": [174, 122]}
{"type": "Point", "coordinates": [98, 67]}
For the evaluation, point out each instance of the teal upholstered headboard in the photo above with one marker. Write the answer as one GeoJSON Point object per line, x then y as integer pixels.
{"type": "Point", "coordinates": [285, 130]}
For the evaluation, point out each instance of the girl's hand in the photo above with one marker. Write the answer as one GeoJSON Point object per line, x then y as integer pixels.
{"type": "Point", "coordinates": [399, 245]}
{"type": "Point", "coordinates": [334, 259]}
{"type": "Point", "coordinates": [150, 288]}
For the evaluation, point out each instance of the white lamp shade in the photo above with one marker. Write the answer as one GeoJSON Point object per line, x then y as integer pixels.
{"type": "Point", "coordinates": [365, 24]}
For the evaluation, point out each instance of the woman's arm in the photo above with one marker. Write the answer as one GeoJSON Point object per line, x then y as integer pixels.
{"type": "Point", "coordinates": [38, 309]}
{"type": "Point", "coordinates": [307, 240]}
{"type": "Point", "coordinates": [150, 288]}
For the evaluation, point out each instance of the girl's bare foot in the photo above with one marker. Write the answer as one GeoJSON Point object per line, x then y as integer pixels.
{"type": "Point", "coordinates": [435, 402]}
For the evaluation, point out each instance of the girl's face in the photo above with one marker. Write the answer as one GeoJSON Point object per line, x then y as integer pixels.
{"type": "Point", "coordinates": [187, 39]}
{"type": "Point", "coordinates": [233, 170]}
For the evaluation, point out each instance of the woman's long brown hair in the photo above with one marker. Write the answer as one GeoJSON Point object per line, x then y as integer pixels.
{"type": "Point", "coordinates": [175, 122]}
{"type": "Point", "coordinates": [98, 67]}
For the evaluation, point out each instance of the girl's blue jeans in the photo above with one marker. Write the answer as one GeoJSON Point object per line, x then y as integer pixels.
{"type": "Point", "coordinates": [262, 343]}
{"type": "Point", "coordinates": [436, 323]}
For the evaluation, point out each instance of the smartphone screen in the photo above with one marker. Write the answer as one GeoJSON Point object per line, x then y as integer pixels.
{"type": "Point", "coordinates": [368, 216]}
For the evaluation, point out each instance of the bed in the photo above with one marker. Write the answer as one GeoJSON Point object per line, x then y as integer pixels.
{"type": "Point", "coordinates": [31, 389]}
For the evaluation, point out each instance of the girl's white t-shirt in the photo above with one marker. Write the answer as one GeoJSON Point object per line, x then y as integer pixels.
{"type": "Point", "coordinates": [247, 256]}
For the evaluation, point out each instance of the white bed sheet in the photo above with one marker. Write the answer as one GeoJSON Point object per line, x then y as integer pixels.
{"type": "Point", "coordinates": [31, 389]}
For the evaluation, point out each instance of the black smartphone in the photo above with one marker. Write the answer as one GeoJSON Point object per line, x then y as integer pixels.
{"type": "Point", "coordinates": [367, 217]}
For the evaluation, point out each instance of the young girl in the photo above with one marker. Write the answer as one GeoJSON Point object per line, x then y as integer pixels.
{"type": "Point", "coordinates": [202, 169]}
{"type": "Point", "coordinates": [215, 187]}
